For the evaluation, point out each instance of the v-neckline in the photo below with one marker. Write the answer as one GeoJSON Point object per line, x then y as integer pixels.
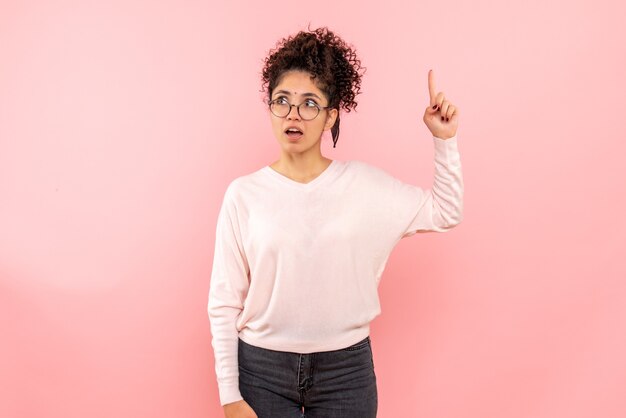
{"type": "Point", "coordinates": [304, 186]}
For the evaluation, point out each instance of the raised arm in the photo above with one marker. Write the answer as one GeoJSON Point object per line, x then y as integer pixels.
{"type": "Point", "coordinates": [441, 207]}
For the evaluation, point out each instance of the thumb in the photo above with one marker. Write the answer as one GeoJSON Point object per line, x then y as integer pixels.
{"type": "Point", "coordinates": [430, 110]}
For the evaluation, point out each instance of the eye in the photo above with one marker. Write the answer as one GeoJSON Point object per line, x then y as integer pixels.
{"type": "Point", "coordinates": [281, 100]}
{"type": "Point", "coordinates": [311, 103]}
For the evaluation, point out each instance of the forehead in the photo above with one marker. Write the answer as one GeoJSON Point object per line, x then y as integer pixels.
{"type": "Point", "coordinates": [297, 83]}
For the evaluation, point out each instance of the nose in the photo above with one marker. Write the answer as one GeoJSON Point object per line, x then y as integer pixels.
{"type": "Point", "coordinates": [293, 109]}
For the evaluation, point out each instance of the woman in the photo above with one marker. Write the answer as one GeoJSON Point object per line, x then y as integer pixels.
{"type": "Point", "coordinates": [301, 245]}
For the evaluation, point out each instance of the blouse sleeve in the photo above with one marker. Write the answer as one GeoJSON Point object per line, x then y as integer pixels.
{"type": "Point", "coordinates": [227, 292]}
{"type": "Point", "coordinates": [439, 208]}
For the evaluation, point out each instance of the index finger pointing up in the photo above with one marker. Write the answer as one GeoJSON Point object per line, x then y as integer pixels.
{"type": "Point", "coordinates": [431, 87]}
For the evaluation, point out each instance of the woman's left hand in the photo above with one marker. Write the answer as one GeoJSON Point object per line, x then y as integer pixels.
{"type": "Point", "coordinates": [441, 117]}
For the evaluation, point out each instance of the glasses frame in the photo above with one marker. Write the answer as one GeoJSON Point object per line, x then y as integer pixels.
{"type": "Point", "coordinates": [319, 108]}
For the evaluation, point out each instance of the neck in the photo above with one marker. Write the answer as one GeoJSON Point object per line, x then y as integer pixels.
{"type": "Point", "coordinates": [300, 168]}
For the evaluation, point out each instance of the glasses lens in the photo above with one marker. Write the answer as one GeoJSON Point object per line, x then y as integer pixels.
{"type": "Point", "coordinates": [280, 108]}
{"type": "Point", "coordinates": [308, 110]}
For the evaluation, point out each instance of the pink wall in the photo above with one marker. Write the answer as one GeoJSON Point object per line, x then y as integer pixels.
{"type": "Point", "coordinates": [122, 122]}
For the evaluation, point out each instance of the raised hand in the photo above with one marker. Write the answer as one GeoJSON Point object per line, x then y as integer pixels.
{"type": "Point", "coordinates": [441, 117]}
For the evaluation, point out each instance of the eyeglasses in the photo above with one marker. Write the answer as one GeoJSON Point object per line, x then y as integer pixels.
{"type": "Point", "coordinates": [281, 107]}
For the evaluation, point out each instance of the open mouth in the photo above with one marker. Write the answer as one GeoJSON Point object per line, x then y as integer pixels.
{"type": "Point", "coordinates": [293, 133]}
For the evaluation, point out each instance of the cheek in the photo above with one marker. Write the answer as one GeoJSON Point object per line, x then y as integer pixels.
{"type": "Point", "coordinates": [276, 127]}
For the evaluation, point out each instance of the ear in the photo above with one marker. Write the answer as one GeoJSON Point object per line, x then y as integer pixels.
{"type": "Point", "coordinates": [331, 118]}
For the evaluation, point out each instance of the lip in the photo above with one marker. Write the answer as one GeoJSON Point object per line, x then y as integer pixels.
{"type": "Point", "coordinates": [296, 139]}
{"type": "Point", "coordinates": [293, 126]}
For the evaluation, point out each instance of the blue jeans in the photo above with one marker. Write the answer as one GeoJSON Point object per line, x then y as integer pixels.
{"type": "Point", "coordinates": [327, 384]}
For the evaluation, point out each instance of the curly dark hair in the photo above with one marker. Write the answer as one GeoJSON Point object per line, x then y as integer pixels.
{"type": "Point", "coordinates": [332, 63]}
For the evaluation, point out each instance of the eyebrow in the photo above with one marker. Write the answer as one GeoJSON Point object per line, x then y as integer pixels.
{"type": "Point", "coordinates": [303, 94]}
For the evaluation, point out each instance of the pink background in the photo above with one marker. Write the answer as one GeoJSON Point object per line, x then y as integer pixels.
{"type": "Point", "coordinates": [122, 122]}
